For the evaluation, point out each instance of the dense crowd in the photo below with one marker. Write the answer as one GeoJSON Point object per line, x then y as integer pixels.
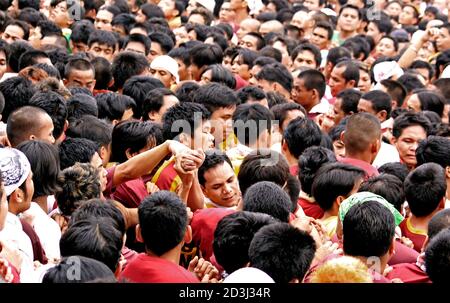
{"type": "Point", "coordinates": [225, 141]}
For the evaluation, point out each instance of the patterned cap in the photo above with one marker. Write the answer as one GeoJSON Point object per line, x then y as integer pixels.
{"type": "Point", "coordinates": [14, 167]}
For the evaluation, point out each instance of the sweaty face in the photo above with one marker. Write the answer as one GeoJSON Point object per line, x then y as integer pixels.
{"type": "Point", "coordinates": [102, 50]}
{"type": "Point", "coordinates": [320, 38]}
{"type": "Point", "coordinates": [306, 59]}
{"type": "Point", "coordinates": [337, 81]}
{"type": "Point", "coordinates": [166, 78]}
{"type": "Point", "coordinates": [103, 20]}
{"type": "Point", "coordinates": [349, 20]}
{"type": "Point", "coordinates": [386, 48]}
{"type": "Point", "coordinates": [221, 185]}
{"type": "Point", "coordinates": [81, 78]}
{"type": "Point", "coordinates": [407, 143]}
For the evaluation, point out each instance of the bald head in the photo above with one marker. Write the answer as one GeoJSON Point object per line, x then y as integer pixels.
{"type": "Point", "coordinates": [246, 26]}
{"type": "Point", "coordinates": [29, 123]}
{"type": "Point", "coordinates": [363, 130]}
{"type": "Point", "coordinates": [271, 26]}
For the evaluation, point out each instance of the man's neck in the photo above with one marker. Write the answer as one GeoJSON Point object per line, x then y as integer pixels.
{"type": "Point", "coordinates": [290, 158]}
{"type": "Point", "coordinates": [241, 14]}
{"type": "Point", "coordinates": [344, 35]}
{"type": "Point", "coordinates": [366, 157]}
{"type": "Point", "coordinates": [311, 105]}
{"type": "Point", "coordinates": [421, 222]}
{"type": "Point", "coordinates": [172, 255]}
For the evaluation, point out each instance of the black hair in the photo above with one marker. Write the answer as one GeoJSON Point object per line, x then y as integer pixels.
{"type": "Point", "coordinates": [310, 48]}
{"type": "Point", "coordinates": [133, 136]}
{"type": "Point", "coordinates": [272, 52]}
{"type": "Point", "coordinates": [313, 79]}
{"type": "Point", "coordinates": [126, 65]}
{"type": "Point", "coordinates": [73, 150]}
{"type": "Point", "coordinates": [250, 92]}
{"type": "Point", "coordinates": [181, 53]}
{"type": "Point", "coordinates": [360, 48]}
{"type": "Point", "coordinates": [424, 189]}
{"type": "Point", "coordinates": [276, 73]}
{"type": "Point", "coordinates": [400, 170]}
{"type": "Point", "coordinates": [383, 24]}
{"type": "Point", "coordinates": [201, 31]}
{"type": "Point", "coordinates": [81, 31]}
{"type": "Point", "coordinates": [163, 40]}
{"type": "Point", "coordinates": [410, 119]}
{"type": "Point", "coordinates": [431, 101]}
{"type": "Point", "coordinates": [219, 39]}
{"type": "Point", "coordinates": [213, 158]}
{"type": "Point", "coordinates": [360, 15]}
{"type": "Point", "coordinates": [423, 64]}
{"type": "Point", "coordinates": [23, 25]}
{"type": "Point", "coordinates": [334, 180]}
{"type": "Point", "coordinates": [263, 61]}
{"type": "Point", "coordinates": [221, 75]}
{"type": "Point", "coordinates": [436, 258]}
{"type": "Point", "coordinates": [152, 11]}
{"type": "Point", "coordinates": [103, 37]}
{"type": "Point", "coordinates": [309, 162]}
{"type": "Point", "coordinates": [396, 90]}
{"type": "Point", "coordinates": [434, 149]}
{"type": "Point", "coordinates": [441, 61]}
{"type": "Point", "coordinates": [30, 15]}
{"type": "Point", "coordinates": [350, 98]}
{"type": "Point", "coordinates": [96, 238]}
{"type": "Point", "coordinates": [18, 91]}
{"type": "Point", "coordinates": [186, 91]}
{"type": "Point", "coordinates": [439, 222]}
{"type": "Point", "coordinates": [351, 70]}
{"type": "Point", "coordinates": [139, 38]}
{"type": "Point", "coordinates": [91, 271]}
{"type": "Point", "coordinates": [163, 221]}
{"type": "Point", "coordinates": [327, 26]}
{"type": "Point", "coordinates": [248, 118]}
{"type": "Point", "coordinates": [369, 229]}
{"type": "Point", "coordinates": [388, 186]}
{"type": "Point", "coordinates": [154, 100]}
{"type": "Point", "coordinates": [337, 54]}
{"type": "Point", "coordinates": [137, 87]}
{"type": "Point", "coordinates": [280, 111]}
{"type": "Point", "coordinates": [233, 235]}
{"type": "Point", "coordinates": [91, 128]}
{"type": "Point", "coordinates": [112, 106]}
{"type": "Point", "coordinates": [55, 106]}
{"type": "Point", "coordinates": [16, 49]}
{"type": "Point", "coordinates": [206, 54]}
{"type": "Point", "coordinates": [379, 100]}
{"type": "Point", "coordinates": [77, 64]}
{"type": "Point", "coordinates": [49, 69]}
{"type": "Point", "coordinates": [215, 96]}
{"type": "Point", "coordinates": [282, 251]}
{"type": "Point", "coordinates": [44, 160]}
{"type": "Point", "coordinates": [125, 20]}
{"type": "Point", "coordinates": [103, 74]}
{"type": "Point", "coordinates": [79, 105]}
{"type": "Point", "coordinates": [410, 82]}
{"type": "Point", "coordinates": [182, 112]}
{"type": "Point", "coordinates": [300, 134]}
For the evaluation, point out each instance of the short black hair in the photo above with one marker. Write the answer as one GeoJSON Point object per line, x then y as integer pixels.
{"type": "Point", "coordinates": [81, 30]}
{"type": "Point", "coordinates": [351, 70]}
{"type": "Point", "coordinates": [434, 149]}
{"type": "Point", "coordinates": [396, 90]}
{"type": "Point", "coordinates": [127, 65]}
{"type": "Point", "coordinates": [350, 98]}
{"type": "Point", "coordinates": [337, 54]}
{"type": "Point", "coordinates": [379, 100]}
{"type": "Point", "coordinates": [181, 53]}
{"type": "Point", "coordinates": [186, 91]}
{"type": "Point", "coordinates": [55, 106]}
{"type": "Point", "coordinates": [79, 105]}
{"type": "Point", "coordinates": [310, 48]}
{"type": "Point", "coordinates": [206, 54]}
{"type": "Point", "coordinates": [431, 101]}
{"type": "Point", "coordinates": [163, 40]}
{"type": "Point", "coordinates": [369, 229]}
{"type": "Point", "coordinates": [213, 158]}
{"type": "Point", "coordinates": [388, 186]}
{"type": "Point", "coordinates": [16, 49]}
{"type": "Point", "coordinates": [91, 128]}
{"type": "Point", "coordinates": [112, 106]}
{"type": "Point", "coordinates": [282, 251]}
{"type": "Point", "coordinates": [436, 258]}
{"type": "Point", "coordinates": [263, 165]}
{"type": "Point", "coordinates": [280, 111]}
{"type": "Point", "coordinates": [425, 187]}
{"type": "Point", "coordinates": [139, 38]}
{"type": "Point", "coordinates": [182, 112]}
{"type": "Point", "coordinates": [439, 222]}
{"type": "Point", "coordinates": [400, 170]}
{"type": "Point", "coordinates": [103, 37]}
{"type": "Point", "coordinates": [327, 26]}
{"type": "Point", "coordinates": [30, 58]}
{"type": "Point", "coordinates": [250, 92]}
{"type": "Point", "coordinates": [215, 96]}
{"type": "Point", "coordinates": [248, 118]}
{"type": "Point", "coordinates": [441, 61]}
{"type": "Point", "coordinates": [333, 180]}
{"type": "Point", "coordinates": [49, 69]}
{"type": "Point", "coordinates": [410, 82]}
{"type": "Point", "coordinates": [18, 91]}
{"type": "Point", "coordinates": [125, 20]}
{"type": "Point", "coordinates": [73, 150]}
{"type": "Point", "coordinates": [233, 235]}
{"type": "Point", "coordinates": [346, 6]}
{"type": "Point", "coordinates": [91, 270]}
{"type": "Point", "coordinates": [152, 11]}
{"type": "Point", "coordinates": [163, 221]}
{"type": "Point", "coordinates": [154, 100]}
{"type": "Point", "coordinates": [313, 79]}
{"type": "Point", "coordinates": [137, 87]}
{"type": "Point", "coordinates": [95, 238]}
{"type": "Point", "coordinates": [278, 73]}
{"type": "Point", "coordinates": [77, 64]}
{"type": "Point", "coordinates": [23, 25]}
{"type": "Point", "coordinates": [423, 64]}
{"type": "Point", "coordinates": [103, 73]}
{"type": "Point", "coordinates": [133, 136]}
{"type": "Point", "coordinates": [410, 119]}
{"type": "Point", "coordinates": [300, 134]}
{"type": "Point", "coordinates": [309, 163]}
{"type": "Point", "coordinates": [268, 198]}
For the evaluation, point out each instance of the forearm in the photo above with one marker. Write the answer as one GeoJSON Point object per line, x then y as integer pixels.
{"type": "Point", "coordinates": [196, 199]}
{"type": "Point", "coordinates": [410, 55]}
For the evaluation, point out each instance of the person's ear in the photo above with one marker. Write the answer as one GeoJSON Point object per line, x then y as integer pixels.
{"type": "Point", "coordinates": [103, 152]}
{"type": "Point", "coordinates": [128, 153]}
{"type": "Point", "coordinates": [393, 140]}
{"type": "Point", "coordinates": [65, 81]}
{"type": "Point", "coordinates": [284, 146]}
{"type": "Point", "coordinates": [382, 115]}
{"type": "Point", "coordinates": [342, 136]}
{"type": "Point", "coordinates": [351, 84]}
{"type": "Point", "coordinates": [139, 234]}
{"type": "Point", "coordinates": [447, 172]}
{"type": "Point", "coordinates": [115, 122]}
{"type": "Point", "coordinates": [295, 280]}
{"type": "Point", "coordinates": [394, 104]}
{"type": "Point", "coordinates": [339, 200]}
{"type": "Point", "coordinates": [392, 247]}
{"type": "Point", "coordinates": [188, 235]}
{"type": "Point", "coordinates": [314, 93]}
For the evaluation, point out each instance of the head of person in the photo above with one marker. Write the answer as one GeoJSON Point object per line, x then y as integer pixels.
{"type": "Point", "coordinates": [335, 55]}
{"type": "Point", "coordinates": [44, 161]}
{"type": "Point", "coordinates": [387, 47]}
{"type": "Point", "coordinates": [344, 75]}
{"type": "Point", "coordinates": [309, 87]}
{"type": "Point", "coordinates": [62, 12]}
{"type": "Point", "coordinates": [203, 55]}
{"type": "Point", "coordinates": [388, 186]}
{"type": "Point", "coordinates": [443, 40]}
{"type": "Point", "coordinates": [137, 43]}
{"type": "Point", "coordinates": [102, 43]}
{"type": "Point", "coordinates": [81, 30]}
{"type": "Point", "coordinates": [161, 44]}
{"type": "Point", "coordinates": [436, 253]}
{"type": "Point", "coordinates": [300, 134]}
{"type": "Point", "coordinates": [362, 135]}
{"type": "Point", "coordinates": [156, 103]}
{"type": "Point", "coordinates": [165, 68]}
{"type": "Point", "coordinates": [130, 138]}
{"type": "Point", "coordinates": [396, 90]}
{"type": "Point", "coordinates": [115, 108]}
{"type": "Point", "coordinates": [252, 41]}
{"type": "Point", "coordinates": [189, 124]}
{"type": "Point", "coordinates": [219, 74]}
{"type": "Point", "coordinates": [427, 101]}
{"type": "Point", "coordinates": [425, 189]}
{"type": "Point", "coordinates": [335, 182]}
{"type": "Point", "coordinates": [233, 235]}
{"type": "Point", "coordinates": [218, 180]}
{"type": "Point", "coordinates": [33, 57]}
{"type": "Point", "coordinates": [81, 104]}
{"type": "Point", "coordinates": [282, 251]}
{"type": "Point", "coordinates": [434, 149]}
{"type": "Point", "coordinates": [137, 87]}
{"type": "Point", "coordinates": [105, 16]}
{"type": "Point", "coordinates": [343, 269]}
{"type": "Point", "coordinates": [425, 69]}
{"type": "Point", "coordinates": [307, 55]}
{"type": "Point", "coordinates": [409, 15]}
{"type": "Point", "coordinates": [73, 150]}
{"type": "Point", "coordinates": [252, 94]}
{"type": "Point", "coordinates": [91, 271]}
{"type": "Point", "coordinates": [15, 30]}
{"type": "Point", "coordinates": [275, 77]}
{"type": "Point", "coordinates": [181, 55]}
{"type": "Point", "coordinates": [408, 130]}
{"type": "Point", "coordinates": [18, 183]}
{"type": "Point", "coordinates": [286, 112]}
{"type": "Point", "coordinates": [349, 19]}
{"type": "Point", "coordinates": [346, 104]}
{"type": "Point", "coordinates": [378, 28]}
{"type": "Point", "coordinates": [163, 223]}
{"type": "Point", "coordinates": [127, 65]}
{"type": "Point", "coordinates": [29, 123]}
{"type": "Point", "coordinates": [18, 91]}
{"type": "Point", "coordinates": [322, 34]}
{"type": "Point", "coordinates": [377, 103]}
{"type": "Point", "coordinates": [246, 26]}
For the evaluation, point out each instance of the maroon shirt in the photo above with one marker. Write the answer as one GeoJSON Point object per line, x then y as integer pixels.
{"type": "Point", "coordinates": [311, 209]}
{"type": "Point", "coordinates": [408, 273]}
{"type": "Point", "coordinates": [370, 170]}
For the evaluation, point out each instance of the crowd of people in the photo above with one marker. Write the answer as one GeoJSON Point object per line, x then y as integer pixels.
{"type": "Point", "coordinates": [176, 141]}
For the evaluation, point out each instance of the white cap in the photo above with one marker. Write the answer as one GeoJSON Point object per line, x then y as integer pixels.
{"type": "Point", "coordinates": [328, 12]}
{"type": "Point", "coordinates": [446, 72]}
{"type": "Point", "coordinates": [208, 4]}
{"type": "Point", "coordinates": [167, 63]}
{"type": "Point", "coordinates": [14, 167]}
{"type": "Point", "coordinates": [387, 69]}
{"type": "Point", "coordinates": [248, 275]}
{"type": "Point", "coordinates": [255, 6]}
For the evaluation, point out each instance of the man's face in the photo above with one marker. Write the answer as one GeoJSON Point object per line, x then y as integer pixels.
{"type": "Point", "coordinates": [407, 16]}
{"type": "Point", "coordinates": [136, 47]}
{"type": "Point", "coordinates": [2, 63]}
{"type": "Point", "coordinates": [291, 115]}
{"type": "Point", "coordinates": [407, 144]}
{"type": "Point", "coordinates": [253, 72]}
{"type": "Point", "coordinates": [226, 13]}
{"type": "Point", "coordinates": [183, 70]}
{"type": "Point", "coordinates": [364, 83]}
{"type": "Point", "coordinates": [240, 68]}
{"type": "Point", "coordinates": [202, 137]}
{"type": "Point", "coordinates": [337, 81]}
{"type": "Point", "coordinates": [45, 132]}
{"type": "Point", "coordinates": [163, 75]}
{"type": "Point", "coordinates": [78, 47]}
{"type": "Point", "coordinates": [103, 20]}
{"type": "Point", "coordinates": [413, 103]}
{"type": "Point", "coordinates": [338, 113]}
{"type": "Point", "coordinates": [320, 38]}
{"type": "Point", "coordinates": [222, 123]}
{"type": "Point", "coordinates": [168, 7]}
{"type": "Point", "coordinates": [81, 78]}
{"type": "Point", "coordinates": [365, 106]}
{"type": "Point", "coordinates": [140, 17]}
{"type": "Point", "coordinates": [311, 4]}
{"type": "Point", "coordinates": [249, 42]}
{"type": "Point", "coordinates": [59, 14]}
{"type": "Point", "coordinates": [443, 40]}
{"type": "Point", "coordinates": [102, 50]}
{"type": "Point", "coordinates": [349, 21]}
{"type": "Point", "coordinates": [300, 94]}
{"type": "Point", "coordinates": [13, 33]}
{"type": "Point", "coordinates": [373, 31]}
{"type": "Point", "coordinates": [305, 58]}
{"type": "Point", "coordinates": [155, 51]}
{"type": "Point", "coordinates": [221, 185]}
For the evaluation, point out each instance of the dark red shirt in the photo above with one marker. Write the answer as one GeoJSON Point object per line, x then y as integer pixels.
{"type": "Point", "coordinates": [408, 273]}
{"type": "Point", "coordinates": [417, 236]}
{"type": "Point", "coordinates": [370, 170]}
{"type": "Point", "coordinates": [311, 209]}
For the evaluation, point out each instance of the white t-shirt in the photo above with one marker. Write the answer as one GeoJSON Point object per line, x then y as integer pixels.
{"type": "Point", "coordinates": [386, 154]}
